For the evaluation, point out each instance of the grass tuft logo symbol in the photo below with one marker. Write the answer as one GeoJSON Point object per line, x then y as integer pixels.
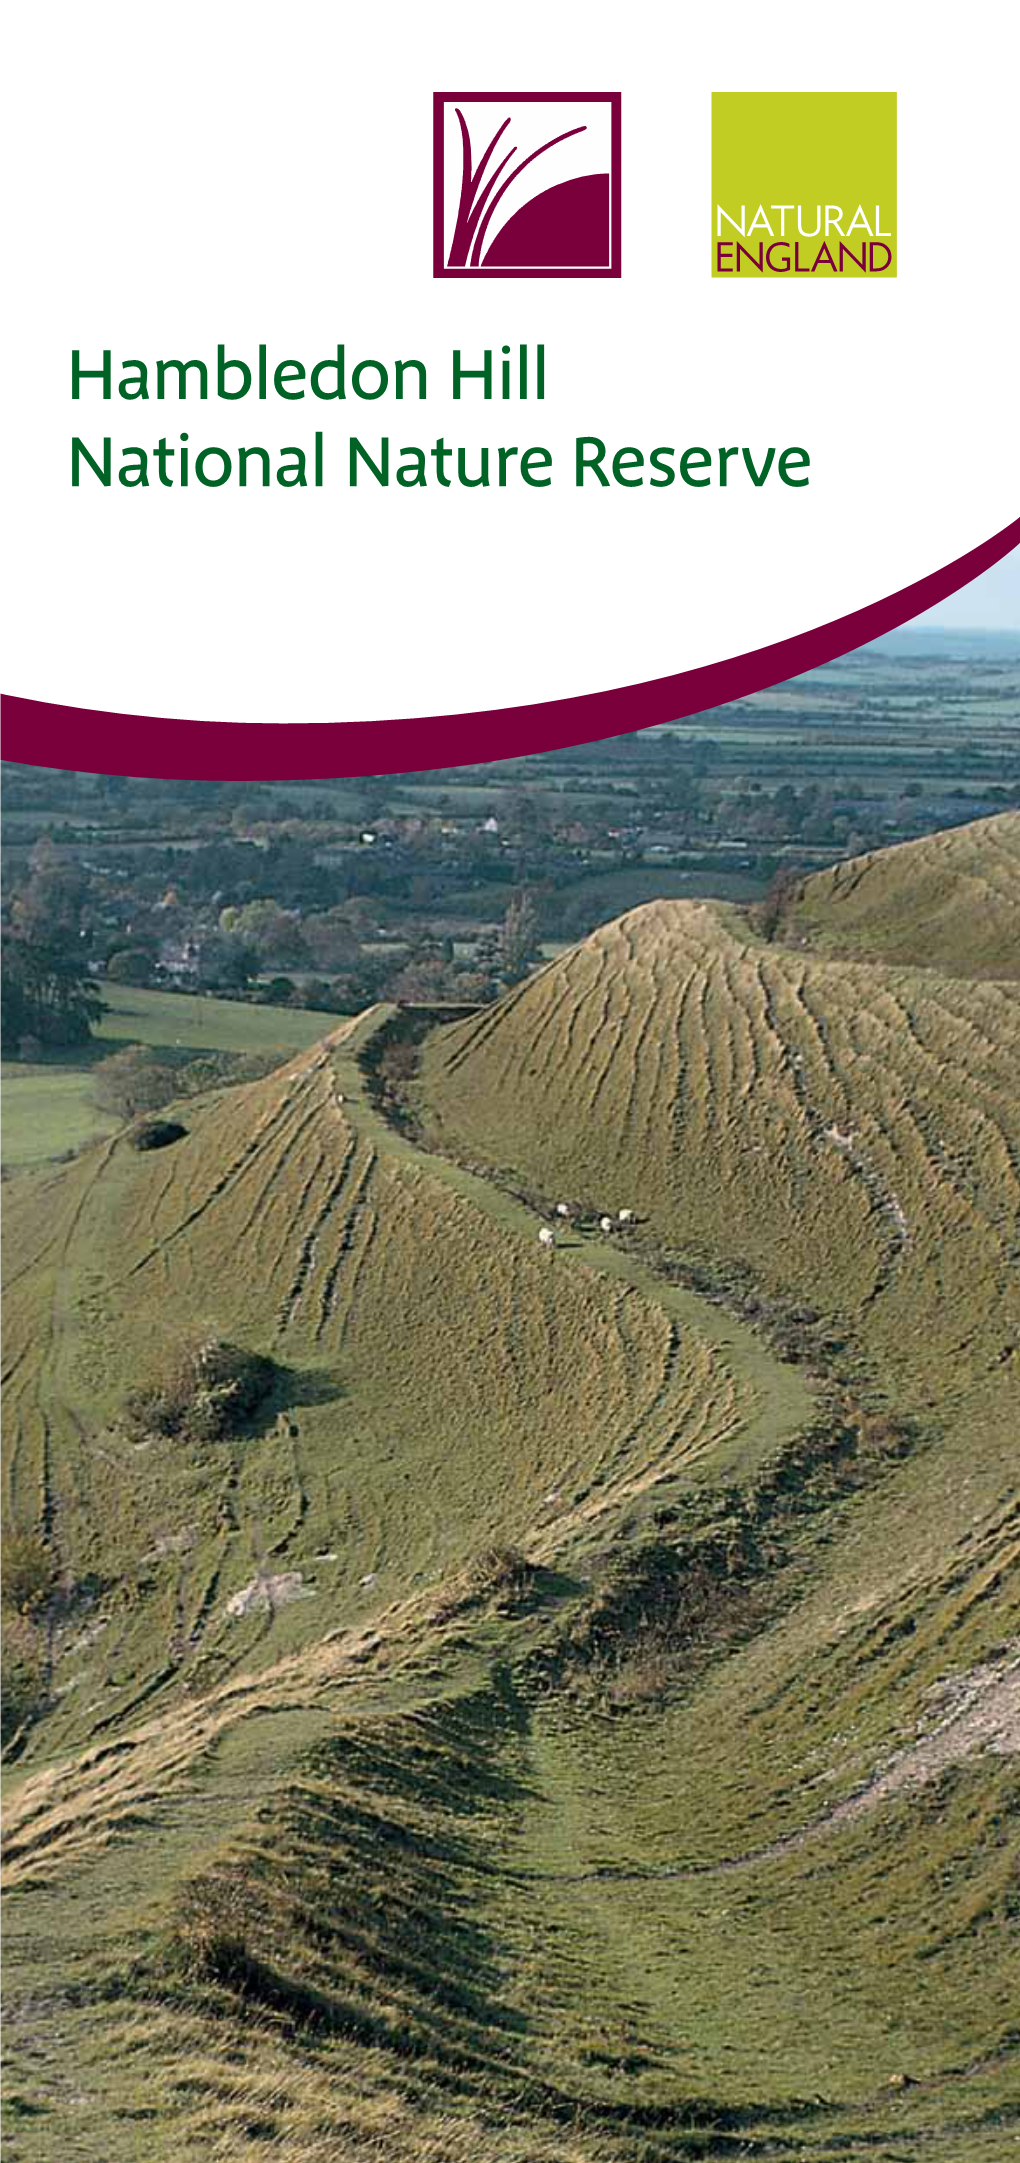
{"type": "Point", "coordinates": [526, 184]}
{"type": "Point", "coordinates": [804, 183]}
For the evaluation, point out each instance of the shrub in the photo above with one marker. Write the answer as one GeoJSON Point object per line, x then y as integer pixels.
{"type": "Point", "coordinates": [158, 1134]}
{"type": "Point", "coordinates": [658, 1605]}
{"type": "Point", "coordinates": [644, 1673]}
{"type": "Point", "coordinates": [29, 1572]}
{"type": "Point", "coordinates": [501, 1573]}
{"type": "Point", "coordinates": [208, 1937]}
{"type": "Point", "coordinates": [22, 1676]}
{"type": "Point", "coordinates": [500, 1576]}
{"type": "Point", "coordinates": [398, 1063]}
{"type": "Point", "coordinates": [204, 1392]}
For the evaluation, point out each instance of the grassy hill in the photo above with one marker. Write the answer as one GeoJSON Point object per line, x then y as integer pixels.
{"type": "Point", "coordinates": [574, 1715]}
{"type": "Point", "coordinates": [950, 901]}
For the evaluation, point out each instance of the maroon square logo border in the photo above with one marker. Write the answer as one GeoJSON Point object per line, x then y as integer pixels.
{"type": "Point", "coordinates": [442, 98]}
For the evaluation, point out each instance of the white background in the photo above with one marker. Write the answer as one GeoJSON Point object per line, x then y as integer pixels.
{"type": "Point", "coordinates": [217, 171]}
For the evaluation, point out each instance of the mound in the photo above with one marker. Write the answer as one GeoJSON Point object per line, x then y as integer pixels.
{"type": "Point", "coordinates": [950, 902]}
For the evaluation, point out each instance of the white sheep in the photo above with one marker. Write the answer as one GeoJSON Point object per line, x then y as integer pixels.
{"type": "Point", "coordinates": [605, 1224]}
{"type": "Point", "coordinates": [626, 1216]}
{"type": "Point", "coordinates": [563, 1209]}
{"type": "Point", "coordinates": [546, 1237]}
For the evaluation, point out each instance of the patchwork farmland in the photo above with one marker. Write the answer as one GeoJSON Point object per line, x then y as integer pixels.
{"type": "Point", "coordinates": [573, 1715]}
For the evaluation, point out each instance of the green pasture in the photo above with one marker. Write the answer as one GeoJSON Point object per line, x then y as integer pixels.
{"type": "Point", "coordinates": [48, 1109]}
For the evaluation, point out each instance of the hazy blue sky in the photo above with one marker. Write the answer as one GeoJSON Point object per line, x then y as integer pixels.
{"type": "Point", "coordinates": [991, 603]}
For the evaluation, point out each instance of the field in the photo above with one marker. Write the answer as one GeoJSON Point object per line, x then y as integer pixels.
{"type": "Point", "coordinates": [48, 1108]}
{"type": "Point", "coordinates": [576, 1720]}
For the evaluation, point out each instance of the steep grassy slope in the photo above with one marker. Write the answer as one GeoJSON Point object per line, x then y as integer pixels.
{"type": "Point", "coordinates": [695, 1836]}
{"type": "Point", "coordinates": [950, 901]}
{"type": "Point", "coordinates": [847, 1134]}
{"type": "Point", "coordinates": [436, 1382]}
{"type": "Point", "coordinates": [442, 1387]}
{"type": "Point", "coordinates": [847, 1137]}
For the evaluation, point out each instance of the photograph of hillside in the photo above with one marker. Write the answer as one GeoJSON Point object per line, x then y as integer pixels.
{"type": "Point", "coordinates": [512, 1403]}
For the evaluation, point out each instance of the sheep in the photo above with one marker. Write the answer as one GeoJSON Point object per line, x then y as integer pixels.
{"type": "Point", "coordinates": [626, 1216]}
{"type": "Point", "coordinates": [605, 1224]}
{"type": "Point", "coordinates": [547, 1237]}
{"type": "Point", "coordinates": [563, 1209]}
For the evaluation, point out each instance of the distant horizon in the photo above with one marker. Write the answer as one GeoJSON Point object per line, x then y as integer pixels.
{"type": "Point", "coordinates": [920, 627]}
{"type": "Point", "coordinates": [996, 594]}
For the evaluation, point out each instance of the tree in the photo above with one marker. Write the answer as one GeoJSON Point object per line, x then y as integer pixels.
{"type": "Point", "coordinates": [778, 899]}
{"type": "Point", "coordinates": [316, 992]}
{"type": "Point", "coordinates": [133, 1081]}
{"type": "Point", "coordinates": [425, 979]}
{"type": "Point", "coordinates": [45, 993]}
{"type": "Point", "coordinates": [273, 932]}
{"type": "Point", "coordinates": [48, 909]}
{"type": "Point", "coordinates": [228, 962]}
{"type": "Point", "coordinates": [518, 941]}
{"type": "Point", "coordinates": [331, 939]}
{"type": "Point", "coordinates": [130, 965]}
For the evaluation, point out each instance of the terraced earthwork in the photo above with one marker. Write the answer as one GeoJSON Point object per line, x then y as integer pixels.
{"type": "Point", "coordinates": [574, 1715]}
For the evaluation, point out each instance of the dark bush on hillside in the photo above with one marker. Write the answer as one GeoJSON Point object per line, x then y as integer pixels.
{"type": "Point", "coordinates": [499, 1576]}
{"type": "Point", "coordinates": [22, 1676]}
{"type": "Point", "coordinates": [659, 1603]}
{"type": "Point", "coordinates": [208, 1936]}
{"type": "Point", "coordinates": [501, 1573]}
{"type": "Point", "coordinates": [204, 1392]}
{"type": "Point", "coordinates": [398, 1063]}
{"type": "Point", "coordinates": [29, 1572]}
{"type": "Point", "coordinates": [158, 1134]}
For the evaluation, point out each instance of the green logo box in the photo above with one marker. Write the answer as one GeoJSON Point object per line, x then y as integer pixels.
{"type": "Point", "coordinates": [803, 183]}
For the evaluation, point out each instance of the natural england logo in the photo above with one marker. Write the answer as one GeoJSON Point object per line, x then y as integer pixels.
{"type": "Point", "coordinates": [526, 184]}
{"type": "Point", "coordinates": [804, 184]}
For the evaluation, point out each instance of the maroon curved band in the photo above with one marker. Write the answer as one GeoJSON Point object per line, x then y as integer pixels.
{"type": "Point", "coordinates": [93, 741]}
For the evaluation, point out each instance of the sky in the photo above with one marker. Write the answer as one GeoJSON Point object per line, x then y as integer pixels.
{"type": "Point", "coordinates": [989, 603]}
